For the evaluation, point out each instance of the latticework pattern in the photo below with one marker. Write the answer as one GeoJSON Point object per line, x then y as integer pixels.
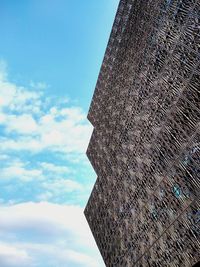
{"type": "Point", "coordinates": [144, 209]}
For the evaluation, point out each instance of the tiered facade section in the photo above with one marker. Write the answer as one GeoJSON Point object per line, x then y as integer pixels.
{"type": "Point", "coordinates": [144, 209]}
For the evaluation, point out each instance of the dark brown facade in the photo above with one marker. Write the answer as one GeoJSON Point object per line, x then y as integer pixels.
{"type": "Point", "coordinates": [144, 209]}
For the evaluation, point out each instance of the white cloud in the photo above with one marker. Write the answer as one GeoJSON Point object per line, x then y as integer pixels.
{"type": "Point", "coordinates": [41, 233]}
{"type": "Point", "coordinates": [55, 188]}
{"type": "Point", "coordinates": [50, 167]}
{"type": "Point", "coordinates": [38, 85]}
{"type": "Point", "coordinates": [45, 196]}
{"type": "Point", "coordinates": [64, 225]}
{"type": "Point", "coordinates": [74, 114]}
{"type": "Point", "coordinates": [64, 136]}
{"type": "Point", "coordinates": [4, 157]}
{"type": "Point", "coordinates": [24, 124]}
{"type": "Point", "coordinates": [59, 186]}
{"type": "Point", "coordinates": [18, 170]}
{"type": "Point", "coordinates": [7, 93]}
{"type": "Point", "coordinates": [11, 256]}
{"type": "Point", "coordinates": [24, 113]}
{"type": "Point", "coordinates": [20, 143]}
{"type": "Point", "coordinates": [77, 257]}
{"type": "Point", "coordinates": [17, 98]}
{"type": "Point", "coordinates": [54, 254]}
{"type": "Point", "coordinates": [44, 217]}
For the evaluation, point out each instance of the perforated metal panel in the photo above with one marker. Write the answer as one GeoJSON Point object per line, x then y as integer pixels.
{"type": "Point", "coordinates": [144, 209]}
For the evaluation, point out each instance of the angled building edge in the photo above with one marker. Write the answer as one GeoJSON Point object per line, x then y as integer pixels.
{"type": "Point", "coordinates": [144, 209]}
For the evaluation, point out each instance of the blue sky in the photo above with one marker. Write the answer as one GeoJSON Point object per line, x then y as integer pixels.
{"type": "Point", "coordinates": [50, 56]}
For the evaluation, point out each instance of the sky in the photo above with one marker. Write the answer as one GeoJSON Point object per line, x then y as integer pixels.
{"type": "Point", "coordinates": [50, 56]}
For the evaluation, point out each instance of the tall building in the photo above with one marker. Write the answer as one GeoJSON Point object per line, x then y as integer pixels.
{"type": "Point", "coordinates": [144, 209]}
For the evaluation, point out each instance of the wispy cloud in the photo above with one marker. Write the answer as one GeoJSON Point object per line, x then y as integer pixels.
{"type": "Point", "coordinates": [19, 170]}
{"type": "Point", "coordinates": [62, 185]}
{"type": "Point", "coordinates": [50, 167]}
{"type": "Point", "coordinates": [37, 124]}
{"type": "Point", "coordinates": [39, 85]}
{"type": "Point", "coordinates": [42, 144]}
{"type": "Point", "coordinates": [58, 188]}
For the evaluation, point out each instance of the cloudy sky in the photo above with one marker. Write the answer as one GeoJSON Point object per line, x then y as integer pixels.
{"type": "Point", "coordinates": [50, 55]}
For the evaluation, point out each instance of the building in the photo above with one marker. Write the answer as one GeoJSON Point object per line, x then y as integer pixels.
{"type": "Point", "coordinates": [144, 209]}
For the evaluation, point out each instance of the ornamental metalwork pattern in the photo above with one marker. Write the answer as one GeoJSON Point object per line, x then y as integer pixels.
{"type": "Point", "coordinates": [144, 209]}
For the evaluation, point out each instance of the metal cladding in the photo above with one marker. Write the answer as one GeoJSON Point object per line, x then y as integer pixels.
{"type": "Point", "coordinates": [144, 209]}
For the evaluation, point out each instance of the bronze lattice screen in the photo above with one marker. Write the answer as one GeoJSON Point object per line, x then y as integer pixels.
{"type": "Point", "coordinates": [144, 209]}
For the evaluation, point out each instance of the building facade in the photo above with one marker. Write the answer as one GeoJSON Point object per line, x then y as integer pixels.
{"type": "Point", "coordinates": [144, 209]}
